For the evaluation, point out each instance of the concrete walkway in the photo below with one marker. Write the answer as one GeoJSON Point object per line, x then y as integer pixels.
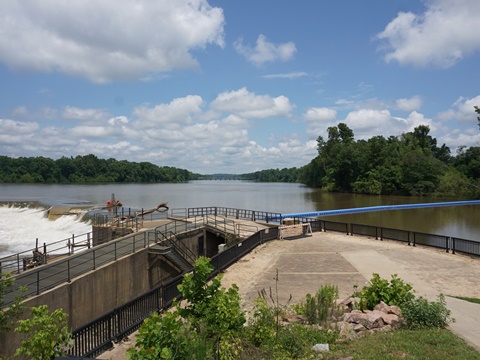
{"type": "Point", "coordinates": [304, 264]}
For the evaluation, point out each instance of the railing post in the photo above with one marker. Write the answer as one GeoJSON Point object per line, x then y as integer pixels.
{"type": "Point", "coordinates": [68, 270]}
{"type": "Point", "coordinates": [45, 252]}
{"type": "Point", "coordinates": [38, 282]}
{"type": "Point", "coordinates": [94, 259]}
{"type": "Point", "coordinates": [453, 245]}
{"type": "Point", "coordinates": [446, 244]}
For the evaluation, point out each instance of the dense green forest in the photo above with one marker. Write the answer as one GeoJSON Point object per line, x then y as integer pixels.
{"type": "Point", "coordinates": [273, 175]}
{"type": "Point", "coordinates": [86, 169]}
{"type": "Point", "coordinates": [410, 164]}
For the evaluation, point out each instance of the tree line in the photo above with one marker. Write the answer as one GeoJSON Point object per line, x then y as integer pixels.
{"type": "Point", "coordinates": [87, 169]}
{"type": "Point", "coordinates": [410, 164]}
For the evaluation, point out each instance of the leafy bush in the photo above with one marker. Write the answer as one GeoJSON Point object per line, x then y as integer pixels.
{"type": "Point", "coordinates": [204, 327]}
{"type": "Point", "coordinates": [395, 292]}
{"type": "Point", "coordinates": [9, 315]}
{"type": "Point", "coordinates": [421, 313]}
{"type": "Point", "coordinates": [168, 337]}
{"type": "Point", "coordinates": [48, 335]}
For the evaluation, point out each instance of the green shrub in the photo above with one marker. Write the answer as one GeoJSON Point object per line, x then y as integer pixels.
{"type": "Point", "coordinates": [395, 292]}
{"type": "Point", "coordinates": [206, 327]}
{"type": "Point", "coordinates": [262, 326]}
{"type": "Point", "coordinates": [47, 334]}
{"type": "Point", "coordinates": [421, 313]}
{"type": "Point", "coordinates": [317, 308]}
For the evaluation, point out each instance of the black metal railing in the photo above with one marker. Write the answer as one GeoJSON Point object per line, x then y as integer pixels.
{"type": "Point", "coordinates": [335, 226]}
{"type": "Point", "coordinates": [252, 215]}
{"type": "Point", "coordinates": [124, 322]}
{"type": "Point", "coordinates": [98, 336]}
{"type": "Point", "coordinates": [465, 246]}
{"type": "Point", "coordinates": [365, 230]}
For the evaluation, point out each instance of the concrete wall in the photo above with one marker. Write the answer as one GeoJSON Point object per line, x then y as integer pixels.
{"type": "Point", "coordinates": [97, 292]}
{"type": "Point", "coordinates": [91, 295]}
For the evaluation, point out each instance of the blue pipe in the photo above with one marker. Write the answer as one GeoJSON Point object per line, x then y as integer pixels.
{"type": "Point", "coordinates": [377, 208]}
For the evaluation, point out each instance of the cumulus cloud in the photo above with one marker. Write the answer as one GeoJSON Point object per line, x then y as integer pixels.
{"type": "Point", "coordinates": [265, 51]}
{"type": "Point", "coordinates": [75, 113]}
{"type": "Point", "coordinates": [104, 41]}
{"type": "Point", "coordinates": [365, 123]}
{"type": "Point", "coordinates": [462, 110]}
{"type": "Point", "coordinates": [173, 115]}
{"type": "Point", "coordinates": [249, 105]}
{"type": "Point", "coordinates": [445, 33]}
{"type": "Point", "coordinates": [413, 103]}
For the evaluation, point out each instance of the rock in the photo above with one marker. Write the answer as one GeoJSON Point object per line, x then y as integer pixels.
{"type": "Point", "coordinates": [388, 309]}
{"type": "Point", "coordinates": [320, 347]}
{"type": "Point", "coordinates": [390, 319]}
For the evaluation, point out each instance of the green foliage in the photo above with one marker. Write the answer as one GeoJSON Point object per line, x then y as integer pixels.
{"type": "Point", "coordinates": [317, 308]}
{"type": "Point", "coordinates": [273, 175]}
{"type": "Point", "coordinates": [47, 334]}
{"type": "Point", "coordinates": [428, 343]}
{"type": "Point", "coordinates": [169, 337]}
{"type": "Point", "coordinates": [395, 292]}
{"type": "Point", "coordinates": [262, 326]}
{"type": "Point", "coordinates": [469, 299]}
{"type": "Point", "coordinates": [456, 184]}
{"type": "Point", "coordinates": [218, 308]}
{"type": "Point", "coordinates": [410, 164]}
{"type": "Point", "coordinates": [14, 310]}
{"type": "Point", "coordinates": [421, 313]}
{"type": "Point", "coordinates": [290, 341]}
{"type": "Point", "coordinates": [86, 169]}
{"type": "Point", "coordinates": [204, 326]}
{"type": "Point", "coordinates": [477, 110]}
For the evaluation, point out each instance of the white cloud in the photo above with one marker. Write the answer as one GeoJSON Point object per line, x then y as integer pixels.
{"type": "Point", "coordinates": [8, 126]}
{"type": "Point", "coordinates": [444, 34]}
{"type": "Point", "coordinates": [249, 105]}
{"type": "Point", "coordinates": [413, 103]}
{"type": "Point", "coordinates": [173, 115]}
{"type": "Point", "coordinates": [320, 114]}
{"type": "Point", "coordinates": [265, 51]}
{"type": "Point", "coordinates": [291, 76]}
{"type": "Point", "coordinates": [105, 40]}
{"type": "Point", "coordinates": [365, 123]}
{"type": "Point", "coordinates": [462, 110]}
{"type": "Point", "coordinates": [93, 115]}
{"type": "Point", "coordinates": [318, 120]}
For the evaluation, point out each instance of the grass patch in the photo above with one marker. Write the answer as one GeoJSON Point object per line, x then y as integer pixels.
{"type": "Point", "coordinates": [422, 344]}
{"type": "Point", "coordinates": [472, 300]}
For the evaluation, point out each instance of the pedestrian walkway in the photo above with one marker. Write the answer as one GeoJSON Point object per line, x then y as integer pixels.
{"type": "Point", "coordinates": [304, 264]}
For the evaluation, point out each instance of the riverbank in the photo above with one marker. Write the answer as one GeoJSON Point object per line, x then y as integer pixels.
{"type": "Point", "coordinates": [304, 264]}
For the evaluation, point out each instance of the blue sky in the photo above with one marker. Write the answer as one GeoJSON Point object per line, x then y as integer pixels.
{"type": "Point", "coordinates": [232, 86]}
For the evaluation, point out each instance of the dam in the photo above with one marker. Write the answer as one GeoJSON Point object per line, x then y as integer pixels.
{"type": "Point", "coordinates": [115, 284]}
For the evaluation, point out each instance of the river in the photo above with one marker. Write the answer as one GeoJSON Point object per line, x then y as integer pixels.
{"type": "Point", "coordinates": [20, 227]}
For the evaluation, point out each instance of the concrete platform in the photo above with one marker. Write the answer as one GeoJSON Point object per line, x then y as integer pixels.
{"type": "Point", "coordinates": [304, 264]}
